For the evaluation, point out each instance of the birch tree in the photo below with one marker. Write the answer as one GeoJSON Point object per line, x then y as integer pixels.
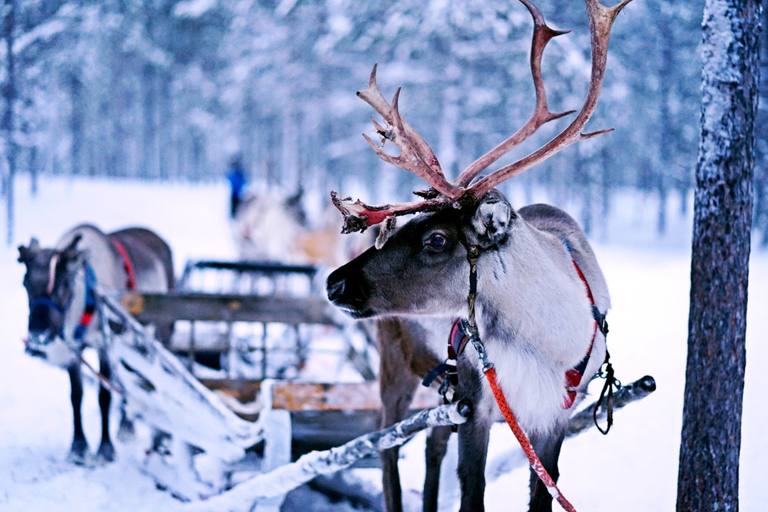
{"type": "Point", "coordinates": [708, 477]}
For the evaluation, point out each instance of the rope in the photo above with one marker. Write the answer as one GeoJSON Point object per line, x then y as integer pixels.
{"type": "Point", "coordinates": [473, 255]}
{"type": "Point", "coordinates": [525, 444]}
{"type": "Point", "coordinates": [102, 379]}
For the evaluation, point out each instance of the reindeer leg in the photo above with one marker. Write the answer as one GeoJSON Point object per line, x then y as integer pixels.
{"type": "Point", "coordinates": [548, 450]}
{"type": "Point", "coordinates": [397, 387]}
{"type": "Point", "coordinates": [78, 453]}
{"type": "Point", "coordinates": [395, 400]}
{"type": "Point", "coordinates": [473, 448]}
{"type": "Point", "coordinates": [106, 451]}
{"type": "Point", "coordinates": [473, 441]}
{"type": "Point", "coordinates": [437, 443]}
{"type": "Point", "coordinates": [126, 431]}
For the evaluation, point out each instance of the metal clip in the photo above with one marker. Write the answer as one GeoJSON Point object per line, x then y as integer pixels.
{"type": "Point", "coordinates": [445, 389]}
{"type": "Point", "coordinates": [480, 349]}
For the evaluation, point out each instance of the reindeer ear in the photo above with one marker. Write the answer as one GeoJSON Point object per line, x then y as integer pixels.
{"type": "Point", "coordinates": [25, 253]}
{"type": "Point", "coordinates": [297, 197]}
{"type": "Point", "coordinates": [492, 221]}
{"type": "Point", "coordinates": [71, 250]}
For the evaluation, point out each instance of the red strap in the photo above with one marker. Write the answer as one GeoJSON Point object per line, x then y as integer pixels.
{"type": "Point", "coordinates": [458, 339]}
{"type": "Point", "coordinates": [525, 444]}
{"type": "Point", "coordinates": [584, 279]}
{"type": "Point", "coordinates": [573, 376]}
{"type": "Point", "coordinates": [131, 280]}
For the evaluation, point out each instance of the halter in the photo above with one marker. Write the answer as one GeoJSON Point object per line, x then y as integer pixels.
{"type": "Point", "coordinates": [90, 302]}
{"type": "Point", "coordinates": [52, 273]}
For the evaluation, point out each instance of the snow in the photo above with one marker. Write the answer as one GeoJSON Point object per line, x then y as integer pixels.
{"type": "Point", "coordinates": [193, 8]}
{"type": "Point", "coordinates": [632, 469]}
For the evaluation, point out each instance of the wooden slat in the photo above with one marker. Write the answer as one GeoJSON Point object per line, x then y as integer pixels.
{"type": "Point", "coordinates": [256, 267]}
{"type": "Point", "coordinates": [309, 396]}
{"type": "Point", "coordinates": [243, 390]}
{"type": "Point", "coordinates": [154, 307]}
{"type": "Point", "coordinates": [304, 396]}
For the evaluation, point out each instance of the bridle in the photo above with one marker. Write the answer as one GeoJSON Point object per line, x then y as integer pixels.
{"type": "Point", "coordinates": [48, 301]}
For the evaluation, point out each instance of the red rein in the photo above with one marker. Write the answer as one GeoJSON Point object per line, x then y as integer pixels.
{"type": "Point", "coordinates": [525, 444]}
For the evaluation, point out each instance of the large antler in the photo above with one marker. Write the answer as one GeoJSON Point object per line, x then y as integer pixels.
{"type": "Point", "coordinates": [415, 154]}
{"type": "Point", "coordinates": [417, 157]}
{"type": "Point", "coordinates": [541, 114]}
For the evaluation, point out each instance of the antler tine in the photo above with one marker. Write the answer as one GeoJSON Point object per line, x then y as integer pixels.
{"type": "Point", "coordinates": [359, 216]}
{"type": "Point", "coordinates": [542, 34]}
{"type": "Point", "coordinates": [601, 20]}
{"type": "Point", "coordinates": [415, 154]}
{"type": "Point", "coordinates": [374, 98]}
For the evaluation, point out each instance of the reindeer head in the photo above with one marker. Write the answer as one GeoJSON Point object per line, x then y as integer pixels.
{"type": "Point", "coordinates": [423, 268]}
{"type": "Point", "coordinates": [48, 282]}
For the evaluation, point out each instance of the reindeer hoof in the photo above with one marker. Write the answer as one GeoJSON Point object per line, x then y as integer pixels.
{"type": "Point", "coordinates": [106, 454]}
{"type": "Point", "coordinates": [126, 431]}
{"type": "Point", "coordinates": [79, 454]}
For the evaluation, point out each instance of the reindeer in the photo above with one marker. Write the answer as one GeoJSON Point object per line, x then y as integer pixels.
{"type": "Point", "coordinates": [527, 280]}
{"type": "Point", "coordinates": [63, 317]}
{"type": "Point", "coordinates": [271, 227]}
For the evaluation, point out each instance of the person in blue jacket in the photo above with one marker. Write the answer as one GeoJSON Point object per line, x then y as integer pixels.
{"type": "Point", "coordinates": [237, 183]}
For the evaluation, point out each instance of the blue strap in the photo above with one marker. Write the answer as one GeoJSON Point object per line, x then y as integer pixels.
{"type": "Point", "coordinates": [46, 301]}
{"type": "Point", "coordinates": [436, 371]}
{"type": "Point", "coordinates": [90, 304]}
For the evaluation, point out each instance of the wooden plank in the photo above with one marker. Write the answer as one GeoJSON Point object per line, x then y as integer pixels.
{"type": "Point", "coordinates": [306, 396]}
{"type": "Point", "coordinates": [312, 396]}
{"type": "Point", "coordinates": [243, 390]}
{"type": "Point", "coordinates": [159, 307]}
{"type": "Point", "coordinates": [256, 267]}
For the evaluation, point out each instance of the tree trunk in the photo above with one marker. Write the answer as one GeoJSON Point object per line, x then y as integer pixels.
{"type": "Point", "coordinates": [9, 95]}
{"type": "Point", "coordinates": [165, 136]}
{"type": "Point", "coordinates": [666, 130]}
{"type": "Point", "coordinates": [761, 166]}
{"type": "Point", "coordinates": [76, 122]}
{"type": "Point", "coordinates": [606, 191]}
{"type": "Point", "coordinates": [708, 477]}
{"type": "Point", "coordinates": [149, 120]}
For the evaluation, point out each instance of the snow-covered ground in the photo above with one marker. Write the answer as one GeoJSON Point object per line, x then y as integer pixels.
{"type": "Point", "coordinates": [632, 469]}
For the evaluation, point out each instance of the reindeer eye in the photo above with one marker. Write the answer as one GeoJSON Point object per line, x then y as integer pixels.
{"type": "Point", "coordinates": [437, 240]}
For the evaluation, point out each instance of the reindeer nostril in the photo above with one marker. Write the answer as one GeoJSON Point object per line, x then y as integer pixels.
{"type": "Point", "coordinates": [335, 289]}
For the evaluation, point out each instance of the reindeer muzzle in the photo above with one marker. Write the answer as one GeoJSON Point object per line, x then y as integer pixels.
{"type": "Point", "coordinates": [349, 291]}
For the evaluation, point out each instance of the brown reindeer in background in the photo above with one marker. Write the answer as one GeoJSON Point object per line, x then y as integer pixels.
{"type": "Point", "coordinates": [541, 295]}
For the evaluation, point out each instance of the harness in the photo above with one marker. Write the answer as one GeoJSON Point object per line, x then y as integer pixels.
{"type": "Point", "coordinates": [90, 296]}
{"type": "Point", "coordinates": [130, 282]}
{"type": "Point", "coordinates": [460, 336]}
{"type": "Point", "coordinates": [574, 376]}
{"type": "Point", "coordinates": [464, 331]}
{"type": "Point", "coordinates": [90, 304]}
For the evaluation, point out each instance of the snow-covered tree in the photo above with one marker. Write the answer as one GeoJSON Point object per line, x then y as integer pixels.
{"type": "Point", "coordinates": [708, 477]}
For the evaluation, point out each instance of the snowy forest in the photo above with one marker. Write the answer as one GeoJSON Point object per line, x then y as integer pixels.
{"type": "Point", "coordinates": [172, 90]}
{"type": "Point", "coordinates": [135, 117]}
